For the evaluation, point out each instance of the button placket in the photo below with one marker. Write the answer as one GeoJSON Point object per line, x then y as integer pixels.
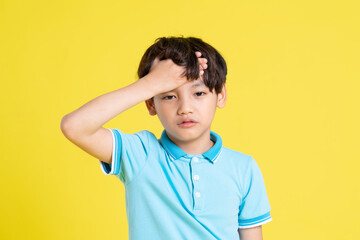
{"type": "Point", "coordinates": [197, 193]}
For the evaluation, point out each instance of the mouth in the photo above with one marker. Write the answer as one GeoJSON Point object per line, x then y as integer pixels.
{"type": "Point", "coordinates": [187, 123]}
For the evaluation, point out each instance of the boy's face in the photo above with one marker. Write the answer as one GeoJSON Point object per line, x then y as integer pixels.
{"type": "Point", "coordinates": [187, 112]}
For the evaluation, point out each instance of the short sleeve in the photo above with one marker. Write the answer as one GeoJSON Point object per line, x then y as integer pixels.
{"type": "Point", "coordinates": [129, 154]}
{"type": "Point", "coordinates": [255, 207]}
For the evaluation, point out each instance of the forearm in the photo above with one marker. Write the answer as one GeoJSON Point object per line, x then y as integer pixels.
{"type": "Point", "coordinates": [90, 117]}
{"type": "Point", "coordinates": [164, 76]}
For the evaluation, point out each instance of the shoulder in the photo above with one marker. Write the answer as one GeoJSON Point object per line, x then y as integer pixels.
{"type": "Point", "coordinates": [143, 134]}
{"type": "Point", "coordinates": [241, 161]}
{"type": "Point", "coordinates": [236, 156]}
{"type": "Point", "coordinates": [144, 138]}
{"type": "Point", "coordinates": [146, 134]}
{"type": "Point", "coordinates": [245, 168]}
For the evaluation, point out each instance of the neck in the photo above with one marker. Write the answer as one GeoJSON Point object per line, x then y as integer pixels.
{"type": "Point", "coordinates": [196, 146]}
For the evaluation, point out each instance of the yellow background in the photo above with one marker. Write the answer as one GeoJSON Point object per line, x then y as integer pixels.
{"type": "Point", "coordinates": [293, 104]}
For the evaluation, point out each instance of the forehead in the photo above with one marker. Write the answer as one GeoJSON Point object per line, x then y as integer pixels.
{"type": "Point", "coordinates": [196, 83]}
{"type": "Point", "coordinates": [192, 84]}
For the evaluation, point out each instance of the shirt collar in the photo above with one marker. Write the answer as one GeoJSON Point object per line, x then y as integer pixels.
{"type": "Point", "coordinates": [175, 152]}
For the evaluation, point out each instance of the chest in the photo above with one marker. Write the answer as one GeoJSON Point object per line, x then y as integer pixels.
{"type": "Point", "coordinates": [202, 187]}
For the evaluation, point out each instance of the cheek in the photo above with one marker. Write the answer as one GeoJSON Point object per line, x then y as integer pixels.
{"type": "Point", "coordinates": [208, 107]}
{"type": "Point", "coordinates": [162, 109]}
{"type": "Point", "coordinates": [164, 114]}
{"type": "Point", "coordinates": [210, 112]}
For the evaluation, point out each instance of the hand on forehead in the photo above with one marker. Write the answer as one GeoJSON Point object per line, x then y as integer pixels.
{"type": "Point", "coordinates": [202, 62]}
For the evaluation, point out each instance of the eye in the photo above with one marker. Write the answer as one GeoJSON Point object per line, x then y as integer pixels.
{"type": "Point", "coordinates": [169, 97]}
{"type": "Point", "coordinates": [198, 94]}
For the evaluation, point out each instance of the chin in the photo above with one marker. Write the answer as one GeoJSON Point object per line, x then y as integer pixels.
{"type": "Point", "coordinates": [186, 136]}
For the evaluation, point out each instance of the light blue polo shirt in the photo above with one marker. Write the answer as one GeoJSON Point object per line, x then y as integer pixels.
{"type": "Point", "coordinates": [173, 195]}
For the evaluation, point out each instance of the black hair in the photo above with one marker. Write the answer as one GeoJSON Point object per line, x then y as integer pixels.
{"type": "Point", "coordinates": [182, 52]}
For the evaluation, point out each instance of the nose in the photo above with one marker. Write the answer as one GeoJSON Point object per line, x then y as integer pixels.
{"type": "Point", "coordinates": [184, 106]}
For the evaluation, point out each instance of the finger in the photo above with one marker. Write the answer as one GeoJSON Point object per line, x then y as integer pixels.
{"type": "Point", "coordinates": [198, 54]}
{"type": "Point", "coordinates": [202, 60]}
{"type": "Point", "coordinates": [203, 66]}
{"type": "Point", "coordinates": [202, 63]}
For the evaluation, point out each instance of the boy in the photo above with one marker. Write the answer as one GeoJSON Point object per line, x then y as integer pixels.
{"type": "Point", "coordinates": [185, 185]}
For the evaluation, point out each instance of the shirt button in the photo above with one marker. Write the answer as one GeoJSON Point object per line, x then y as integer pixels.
{"type": "Point", "coordinates": [195, 159]}
{"type": "Point", "coordinates": [196, 177]}
{"type": "Point", "coordinates": [197, 195]}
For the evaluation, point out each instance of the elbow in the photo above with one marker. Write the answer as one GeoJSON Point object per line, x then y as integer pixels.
{"type": "Point", "coordinates": [73, 129]}
{"type": "Point", "coordinates": [67, 127]}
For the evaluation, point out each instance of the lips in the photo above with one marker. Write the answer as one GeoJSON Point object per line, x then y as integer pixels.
{"type": "Point", "coordinates": [187, 123]}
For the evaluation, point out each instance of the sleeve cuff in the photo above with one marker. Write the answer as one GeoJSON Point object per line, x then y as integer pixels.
{"type": "Point", "coordinates": [114, 168]}
{"type": "Point", "coordinates": [254, 222]}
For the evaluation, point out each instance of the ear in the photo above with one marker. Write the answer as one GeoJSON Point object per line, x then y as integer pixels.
{"type": "Point", "coordinates": [151, 107]}
{"type": "Point", "coordinates": [222, 96]}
